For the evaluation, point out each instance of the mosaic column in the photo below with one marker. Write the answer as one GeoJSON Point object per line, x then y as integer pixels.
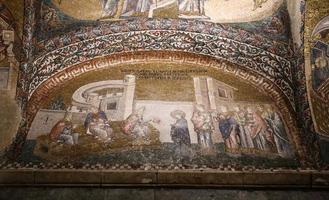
{"type": "Point", "coordinates": [211, 93]}
{"type": "Point", "coordinates": [130, 84]}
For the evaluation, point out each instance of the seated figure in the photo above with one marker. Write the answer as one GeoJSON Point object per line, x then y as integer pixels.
{"type": "Point", "coordinates": [97, 124]}
{"type": "Point", "coordinates": [63, 131]}
{"type": "Point", "coordinates": [135, 124]}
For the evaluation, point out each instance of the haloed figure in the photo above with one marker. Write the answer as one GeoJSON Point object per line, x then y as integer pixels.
{"type": "Point", "coordinates": [228, 128]}
{"type": "Point", "coordinates": [261, 134]}
{"type": "Point", "coordinates": [180, 134]}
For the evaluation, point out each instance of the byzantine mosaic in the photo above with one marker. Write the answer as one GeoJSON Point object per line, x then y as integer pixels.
{"type": "Point", "coordinates": [316, 49]}
{"type": "Point", "coordinates": [158, 83]}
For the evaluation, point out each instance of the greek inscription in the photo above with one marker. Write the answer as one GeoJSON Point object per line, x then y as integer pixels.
{"type": "Point", "coordinates": [164, 74]}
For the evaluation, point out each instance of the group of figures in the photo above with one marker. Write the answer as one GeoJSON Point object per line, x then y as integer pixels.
{"type": "Point", "coordinates": [258, 128]}
{"type": "Point", "coordinates": [254, 129]}
{"type": "Point", "coordinates": [244, 129]}
{"type": "Point", "coordinates": [97, 125]}
{"type": "Point", "coordinates": [125, 8]}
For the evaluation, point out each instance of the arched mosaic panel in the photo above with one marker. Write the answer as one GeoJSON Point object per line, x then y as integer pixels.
{"type": "Point", "coordinates": [159, 72]}
{"type": "Point", "coordinates": [260, 61]}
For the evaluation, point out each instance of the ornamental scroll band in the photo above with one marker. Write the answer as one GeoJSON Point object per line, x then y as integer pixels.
{"type": "Point", "coordinates": [123, 26]}
{"type": "Point", "coordinates": [257, 81]}
{"type": "Point", "coordinates": [273, 67]}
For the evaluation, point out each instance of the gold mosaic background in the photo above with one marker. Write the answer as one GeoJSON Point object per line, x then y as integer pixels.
{"type": "Point", "coordinates": [16, 8]}
{"type": "Point", "coordinates": [165, 90]}
{"type": "Point", "coordinates": [316, 10]}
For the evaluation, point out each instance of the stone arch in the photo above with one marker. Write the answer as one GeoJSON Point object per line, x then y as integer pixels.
{"type": "Point", "coordinates": [241, 72]}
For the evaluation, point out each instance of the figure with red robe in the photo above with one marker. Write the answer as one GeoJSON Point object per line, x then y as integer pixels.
{"type": "Point", "coordinates": [63, 131]}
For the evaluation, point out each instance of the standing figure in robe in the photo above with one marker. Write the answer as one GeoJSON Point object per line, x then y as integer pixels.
{"type": "Point", "coordinates": [260, 133]}
{"type": "Point", "coordinates": [112, 8]}
{"type": "Point", "coordinates": [191, 7]}
{"type": "Point", "coordinates": [241, 120]}
{"type": "Point", "coordinates": [203, 126]}
{"type": "Point", "coordinates": [143, 5]}
{"type": "Point", "coordinates": [280, 137]}
{"type": "Point", "coordinates": [229, 130]}
{"type": "Point", "coordinates": [179, 130]}
{"type": "Point", "coordinates": [180, 134]}
{"type": "Point", "coordinates": [97, 124]}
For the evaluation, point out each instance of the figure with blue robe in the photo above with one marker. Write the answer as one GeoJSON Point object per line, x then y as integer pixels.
{"type": "Point", "coordinates": [97, 124]}
{"type": "Point", "coordinates": [228, 127]}
{"type": "Point", "coordinates": [180, 134]}
{"type": "Point", "coordinates": [179, 131]}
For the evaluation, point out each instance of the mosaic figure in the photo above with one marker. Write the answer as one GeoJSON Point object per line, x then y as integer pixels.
{"type": "Point", "coordinates": [203, 126]}
{"type": "Point", "coordinates": [228, 129]}
{"type": "Point", "coordinates": [179, 130]}
{"type": "Point", "coordinates": [244, 132]}
{"type": "Point", "coordinates": [112, 8]}
{"type": "Point", "coordinates": [320, 62]}
{"type": "Point", "coordinates": [97, 124]}
{"type": "Point", "coordinates": [276, 126]}
{"type": "Point", "coordinates": [180, 134]}
{"type": "Point", "coordinates": [144, 5]}
{"type": "Point", "coordinates": [192, 7]}
{"type": "Point", "coordinates": [62, 132]}
{"type": "Point", "coordinates": [262, 137]}
{"type": "Point", "coordinates": [135, 124]}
